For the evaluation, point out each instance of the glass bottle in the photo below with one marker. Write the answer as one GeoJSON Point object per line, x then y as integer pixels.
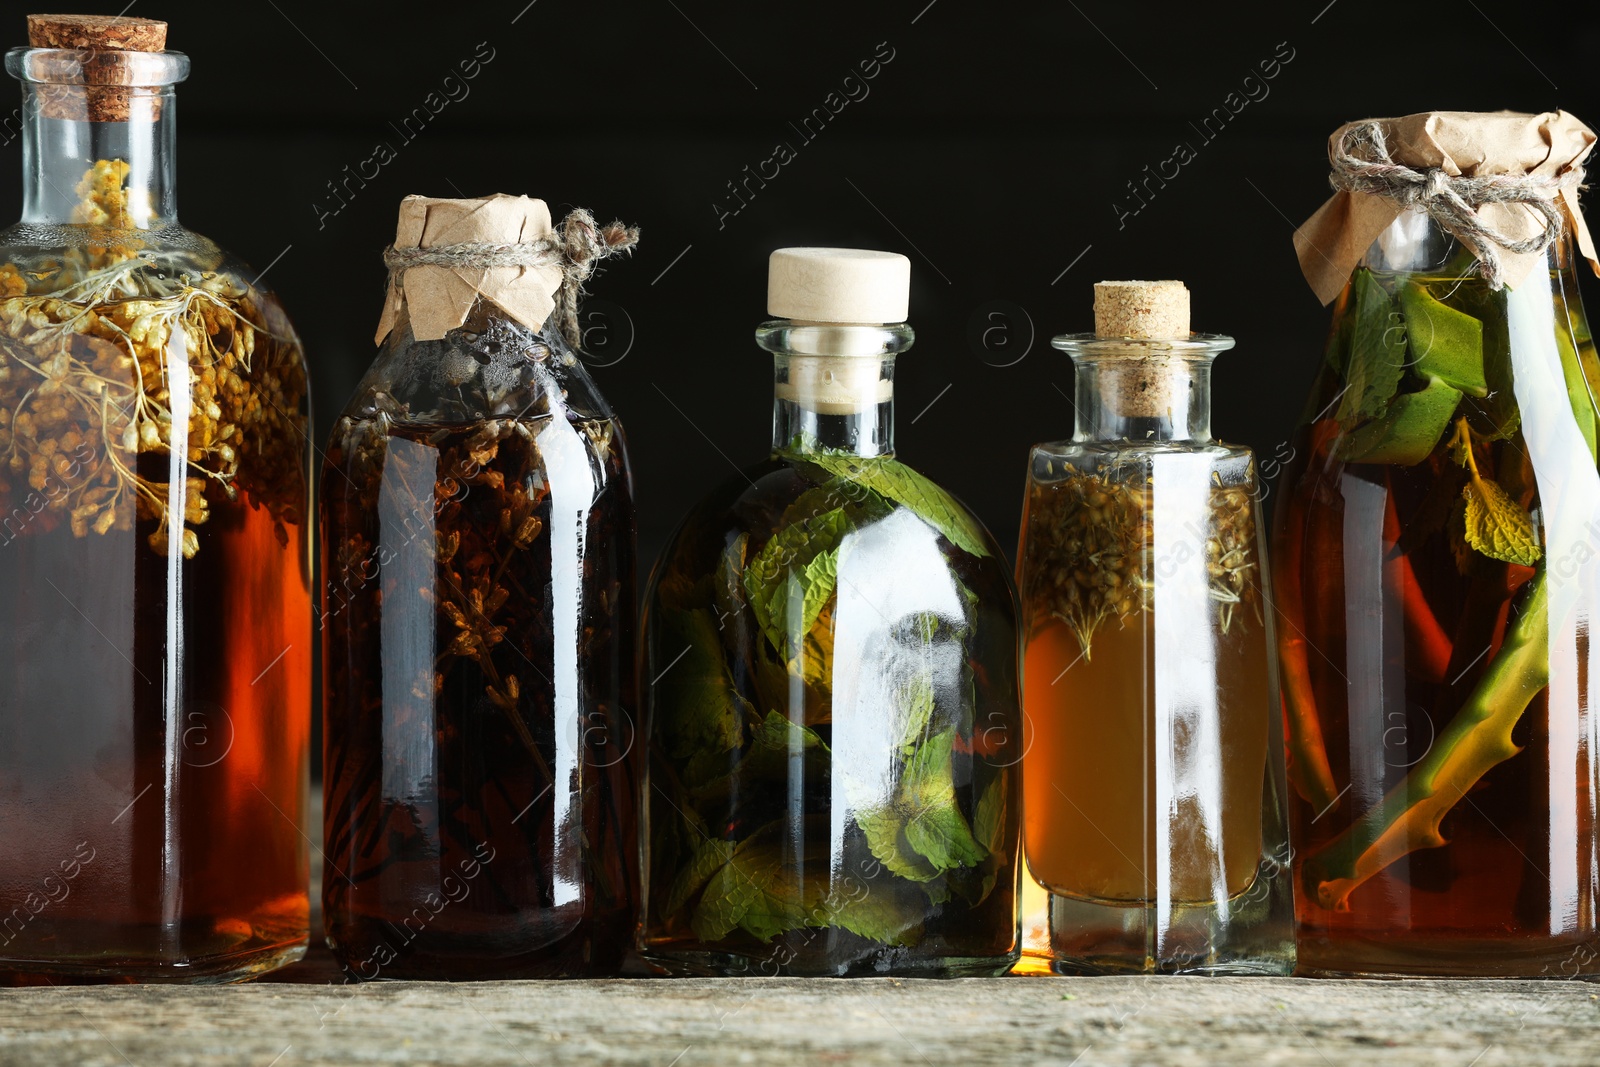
{"type": "Point", "coordinates": [830, 672]}
{"type": "Point", "coordinates": [1434, 549]}
{"type": "Point", "coordinates": [154, 556]}
{"type": "Point", "coordinates": [1153, 778]}
{"type": "Point", "coordinates": [478, 627]}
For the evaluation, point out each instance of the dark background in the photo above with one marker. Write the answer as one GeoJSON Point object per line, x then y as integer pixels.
{"type": "Point", "coordinates": [991, 149]}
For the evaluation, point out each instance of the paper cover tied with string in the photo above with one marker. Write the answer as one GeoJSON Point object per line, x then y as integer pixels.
{"type": "Point", "coordinates": [1503, 184]}
{"type": "Point", "coordinates": [449, 253]}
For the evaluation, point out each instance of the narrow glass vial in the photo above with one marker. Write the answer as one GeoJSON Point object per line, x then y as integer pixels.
{"type": "Point", "coordinates": [831, 668]}
{"type": "Point", "coordinates": [1437, 568]}
{"type": "Point", "coordinates": [155, 667]}
{"type": "Point", "coordinates": [1153, 774]}
{"type": "Point", "coordinates": [478, 609]}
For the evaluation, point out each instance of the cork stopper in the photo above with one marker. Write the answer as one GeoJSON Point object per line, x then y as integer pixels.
{"type": "Point", "coordinates": [113, 84]}
{"type": "Point", "coordinates": [97, 33]}
{"type": "Point", "coordinates": [1141, 383]}
{"type": "Point", "coordinates": [855, 285]}
{"type": "Point", "coordinates": [1142, 310]}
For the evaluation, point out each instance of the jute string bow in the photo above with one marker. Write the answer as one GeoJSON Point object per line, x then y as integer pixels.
{"type": "Point", "coordinates": [1361, 163]}
{"type": "Point", "coordinates": [576, 247]}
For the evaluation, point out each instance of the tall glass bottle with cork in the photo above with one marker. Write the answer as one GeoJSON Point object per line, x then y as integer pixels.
{"type": "Point", "coordinates": [478, 607]}
{"type": "Point", "coordinates": [1437, 563]}
{"type": "Point", "coordinates": [830, 666]}
{"type": "Point", "coordinates": [155, 563]}
{"type": "Point", "coordinates": [1153, 777]}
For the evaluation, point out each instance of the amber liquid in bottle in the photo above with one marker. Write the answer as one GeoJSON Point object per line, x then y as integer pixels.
{"type": "Point", "coordinates": [1095, 817]}
{"type": "Point", "coordinates": [154, 727]}
{"type": "Point", "coordinates": [480, 812]}
{"type": "Point", "coordinates": [1393, 622]}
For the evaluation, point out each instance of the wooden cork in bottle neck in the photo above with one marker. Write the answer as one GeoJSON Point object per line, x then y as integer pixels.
{"type": "Point", "coordinates": [1139, 382]}
{"type": "Point", "coordinates": [104, 86]}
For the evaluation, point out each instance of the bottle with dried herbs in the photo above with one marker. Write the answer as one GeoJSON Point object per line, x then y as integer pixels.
{"type": "Point", "coordinates": [1436, 559]}
{"type": "Point", "coordinates": [154, 555]}
{"type": "Point", "coordinates": [1153, 776]}
{"type": "Point", "coordinates": [830, 672]}
{"type": "Point", "coordinates": [477, 617]}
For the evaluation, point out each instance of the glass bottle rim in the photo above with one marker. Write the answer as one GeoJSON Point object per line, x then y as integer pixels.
{"type": "Point", "coordinates": [1197, 346]}
{"type": "Point", "coordinates": [72, 66]}
{"type": "Point", "coordinates": [860, 340]}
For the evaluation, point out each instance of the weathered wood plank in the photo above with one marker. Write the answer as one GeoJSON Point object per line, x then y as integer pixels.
{"type": "Point", "coordinates": [1087, 1021]}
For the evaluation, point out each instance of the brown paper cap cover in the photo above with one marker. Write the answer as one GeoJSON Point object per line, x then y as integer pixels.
{"type": "Point", "coordinates": [1331, 242]}
{"type": "Point", "coordinates": [438, 299]}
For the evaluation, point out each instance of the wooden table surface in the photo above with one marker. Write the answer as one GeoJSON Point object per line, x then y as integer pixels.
{"type": "Point", "coordinates": [300, 1015]}
{"type": "Point", "coordinates": [684, 1022]}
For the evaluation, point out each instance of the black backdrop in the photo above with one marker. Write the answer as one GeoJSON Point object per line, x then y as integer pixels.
{"type": "Point", "coordinates": [993, 143]}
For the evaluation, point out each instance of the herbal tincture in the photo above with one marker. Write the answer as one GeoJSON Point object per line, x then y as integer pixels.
{"type": "Point", "coordinates": [1153, 776]}
{"type": "Point", "coordinates": [477, 616]}
{"type": "Point", "coordinates": [1435, 560]}
{"type": "Point", "coordinates": [155, 556]}
{"type": "Point", "coordinates": [831, 680]}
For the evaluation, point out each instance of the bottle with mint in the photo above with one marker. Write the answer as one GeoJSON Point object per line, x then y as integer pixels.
{"type": "Point", "coordinates": [830, 681]}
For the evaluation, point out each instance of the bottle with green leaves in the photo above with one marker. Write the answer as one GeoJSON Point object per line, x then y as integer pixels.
{"type": "Point", "coordinates": [1437, 552]}
{"type": "Point", "coordinates": [830, 675]}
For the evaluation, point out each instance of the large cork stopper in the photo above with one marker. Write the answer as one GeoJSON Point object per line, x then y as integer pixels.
{"type": "Point", "coordinates": [1144, 310]}
{"type": "Point", "coordinates": [97, 33]}
{"type": "Point", "coordinates": [1141, 384]}
{"type": "Point", "coordinates": [103, 87]}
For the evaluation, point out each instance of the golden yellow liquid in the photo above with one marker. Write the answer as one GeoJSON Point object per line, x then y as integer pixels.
{"type": "Point", "coordinates": [1094, 824]}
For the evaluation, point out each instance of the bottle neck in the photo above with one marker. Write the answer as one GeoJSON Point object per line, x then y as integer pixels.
{"type": "Point", "coordinates": [833, 385]}
{"type": "Point", "coordinates": [1143, 391]}
{"type": "Point", "coordinates": [834, 404]}
{"type": "Point", "coordinates": [115, 174]}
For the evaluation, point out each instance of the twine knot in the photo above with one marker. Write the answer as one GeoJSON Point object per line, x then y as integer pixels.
{"type": "Point", "coordinates": [576, 248]}
{"type": "Point", "coordinates": [1362, 164]}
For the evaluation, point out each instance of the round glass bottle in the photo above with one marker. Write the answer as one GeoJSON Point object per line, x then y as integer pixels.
{"type": "Point", "coordinates": [478, 628]}
{"type": "Point", "coordinates": [830, 672]}
{"type": "Point", "coordinates": [154, 553]}
{"type": "Point", "coordinates": [1154, 789]}
{"type": "Point", "coordinates": [1435, 550]}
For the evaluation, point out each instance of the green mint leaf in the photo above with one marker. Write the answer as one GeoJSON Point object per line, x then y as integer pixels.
{"type": "Point", "coordinates": [759, 891]}
{"type": "Point", "coordinates": [786, 586]}
{"type": "Point", "coordinates": [893, 480]}
{"type": "Point", "coordinates": [1377, 357]}
{"type": "Point", "coordinates": [1407, 433]}
{"type": "Point", "coordinates": [772, 744]}
{"type": "Point", "coordinates": [886, 911]}
{"type": "Point", "coordinates": [884, 830]}
{"type": "Point", "coordinates": [915, 705]}
{"type": "Point", "coordinates": [1446, 344]}
{"type": "Point", "coordinates": [935, 827]}
{"type": "Point", "coordinates": [702, 711]}
{"type": "Point", "coordinates": [709, 856]}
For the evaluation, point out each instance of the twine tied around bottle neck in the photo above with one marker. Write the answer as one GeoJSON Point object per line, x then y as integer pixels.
{"type": "Point", "coordinates": [576, 248]}
{"type": "Point", "coordinates": [1362, 164]}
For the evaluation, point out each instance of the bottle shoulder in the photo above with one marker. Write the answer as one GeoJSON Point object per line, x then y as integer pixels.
{"type": "Point", "coordinates": [880, 509]}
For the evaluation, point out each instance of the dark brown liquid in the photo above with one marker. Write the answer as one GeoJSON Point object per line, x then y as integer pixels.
{"type": "Point", "coordinates": [477, 623]}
